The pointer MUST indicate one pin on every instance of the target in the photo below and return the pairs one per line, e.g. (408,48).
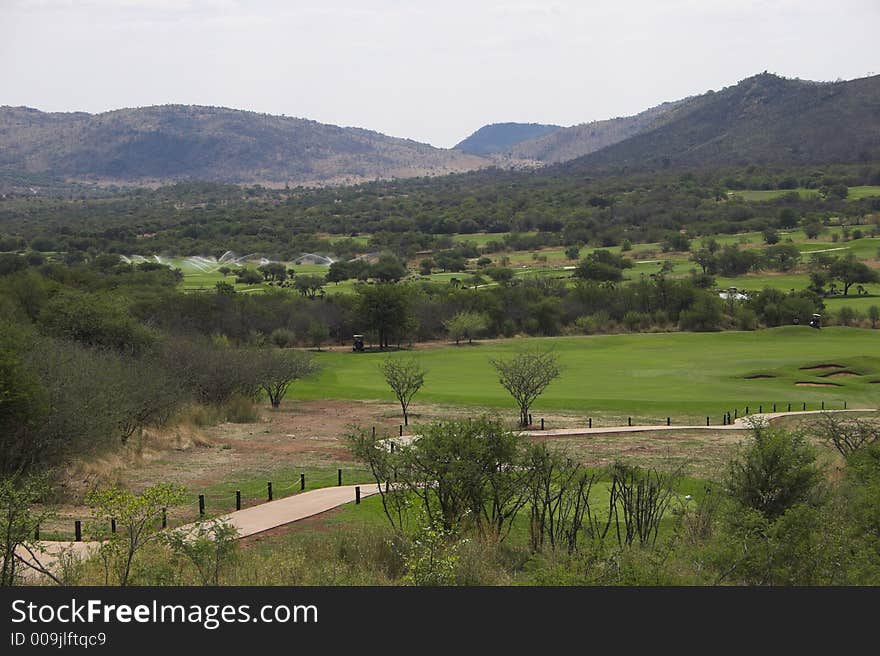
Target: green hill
(764,119)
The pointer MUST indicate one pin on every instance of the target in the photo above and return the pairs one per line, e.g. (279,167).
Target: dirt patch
(808,384)
(759,376)
(702,453)
(822,366)
(836,374)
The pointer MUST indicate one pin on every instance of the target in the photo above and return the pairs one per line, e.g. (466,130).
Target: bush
(846,316)
(746,319)
(777,472)
(283,337)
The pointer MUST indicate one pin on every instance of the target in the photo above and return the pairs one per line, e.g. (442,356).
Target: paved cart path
(742,423)
(248,521)
(272,514)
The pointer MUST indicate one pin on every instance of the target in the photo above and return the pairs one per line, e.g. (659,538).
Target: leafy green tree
(385,308)
(275,271)
(776,472)
(23,403)
(318,333)
(137,518)
(526,375)
(309,286)
(209,545)
(849,271)
(276,370)
(248,277)
(19,495)
(405,377)
(388,268)
(94,320)
(501,275)
(466,325)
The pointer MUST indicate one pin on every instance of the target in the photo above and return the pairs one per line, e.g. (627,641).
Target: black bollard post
(238,499)
(530,419)
(542,423)
(591,422)
(357,494)
(374,432)
(747,409)
(805,405)
(112,525)
(844,405)
(629,421)
(823,405)
(707,421)
(201,505)
(302,482)
(760,409)
(789,407)
(269,490)
(164,517)
(774,407)
(338,477)
(78,531)
(669,421)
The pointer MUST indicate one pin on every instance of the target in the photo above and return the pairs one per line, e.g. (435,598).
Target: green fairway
(684,375)
(854,193)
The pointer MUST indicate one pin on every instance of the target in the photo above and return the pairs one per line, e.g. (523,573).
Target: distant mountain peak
(500,137)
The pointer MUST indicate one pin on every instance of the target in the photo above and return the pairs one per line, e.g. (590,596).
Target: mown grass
(683,375)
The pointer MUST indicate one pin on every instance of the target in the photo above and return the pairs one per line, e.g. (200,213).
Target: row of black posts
(726,420)
(77,524)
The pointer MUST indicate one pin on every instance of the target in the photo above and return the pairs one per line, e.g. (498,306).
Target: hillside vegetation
(174,142)
(764,119)
(500,137)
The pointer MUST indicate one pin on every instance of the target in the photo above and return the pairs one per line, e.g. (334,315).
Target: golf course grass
(683,375)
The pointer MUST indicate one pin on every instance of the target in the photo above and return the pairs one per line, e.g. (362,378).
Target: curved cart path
(273,514)
(248,521)
(742,423)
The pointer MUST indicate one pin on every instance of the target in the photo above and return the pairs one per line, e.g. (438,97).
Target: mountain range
(762,119)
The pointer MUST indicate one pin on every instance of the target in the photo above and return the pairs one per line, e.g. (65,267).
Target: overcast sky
(433,71)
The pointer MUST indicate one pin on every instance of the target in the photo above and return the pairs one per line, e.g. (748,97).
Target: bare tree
(405,376)
(847,434)
(641,497)
(275,370)
(526,376)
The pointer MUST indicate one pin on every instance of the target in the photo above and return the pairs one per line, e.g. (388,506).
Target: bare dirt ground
(703,453)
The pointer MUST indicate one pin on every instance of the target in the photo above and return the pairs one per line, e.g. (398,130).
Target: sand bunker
(822,366)
(806,384)
(759,376)
(835,374)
